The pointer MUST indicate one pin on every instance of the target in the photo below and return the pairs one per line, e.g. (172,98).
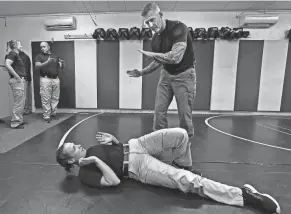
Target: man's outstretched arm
(174,56)
(151,68)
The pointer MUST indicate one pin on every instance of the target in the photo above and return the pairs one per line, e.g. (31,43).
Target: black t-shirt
(112,155)
(174,32)
(18,64)
(27,64)
(50,70)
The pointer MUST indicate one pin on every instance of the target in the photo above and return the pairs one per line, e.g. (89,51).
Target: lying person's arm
(108,178)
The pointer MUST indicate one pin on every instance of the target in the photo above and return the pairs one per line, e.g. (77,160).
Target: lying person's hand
(106,138)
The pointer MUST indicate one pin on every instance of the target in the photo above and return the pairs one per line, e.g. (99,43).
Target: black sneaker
(47,120)
(54,117)
(258,200)
(20,126)
(27,112)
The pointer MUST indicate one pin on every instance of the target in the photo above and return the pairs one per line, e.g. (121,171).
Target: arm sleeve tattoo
(151,68)
(174,56)
(179,46)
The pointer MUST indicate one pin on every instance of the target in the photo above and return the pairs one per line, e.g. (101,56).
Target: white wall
(27,29)
(5,95)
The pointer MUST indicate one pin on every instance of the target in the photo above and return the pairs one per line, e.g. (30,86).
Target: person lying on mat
(109,162)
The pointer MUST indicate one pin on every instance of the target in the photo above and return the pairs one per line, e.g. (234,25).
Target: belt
(126,159)
(50,77)
(24,78)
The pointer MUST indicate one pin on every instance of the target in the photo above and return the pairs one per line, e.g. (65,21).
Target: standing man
(17,81)
(27,64)
(48,65)
(172,47)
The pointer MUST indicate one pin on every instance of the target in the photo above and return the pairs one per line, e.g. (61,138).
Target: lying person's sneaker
(259,200)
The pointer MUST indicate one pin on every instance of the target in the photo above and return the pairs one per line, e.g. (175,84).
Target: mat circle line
(74,126)
(241,138)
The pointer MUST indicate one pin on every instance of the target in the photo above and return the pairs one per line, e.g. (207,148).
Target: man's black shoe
(54,117)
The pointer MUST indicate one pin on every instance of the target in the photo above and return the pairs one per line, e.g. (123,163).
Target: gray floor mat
(11,138)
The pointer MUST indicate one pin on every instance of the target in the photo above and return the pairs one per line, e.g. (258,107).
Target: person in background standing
(48,65)
(17,81)
(27,64)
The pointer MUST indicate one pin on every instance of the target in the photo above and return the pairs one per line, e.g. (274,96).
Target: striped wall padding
(243,75)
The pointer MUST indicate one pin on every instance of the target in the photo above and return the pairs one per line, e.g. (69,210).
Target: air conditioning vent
(258,21)
(60,23)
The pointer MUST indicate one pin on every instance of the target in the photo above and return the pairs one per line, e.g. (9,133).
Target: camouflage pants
(50,94)
(19,94)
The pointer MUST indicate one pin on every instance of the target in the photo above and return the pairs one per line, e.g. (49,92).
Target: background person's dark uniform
(49,85)
(18,89)
(27,64)
(177,80)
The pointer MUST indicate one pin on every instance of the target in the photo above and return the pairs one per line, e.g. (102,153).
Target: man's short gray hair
(12,44)
(150,6)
